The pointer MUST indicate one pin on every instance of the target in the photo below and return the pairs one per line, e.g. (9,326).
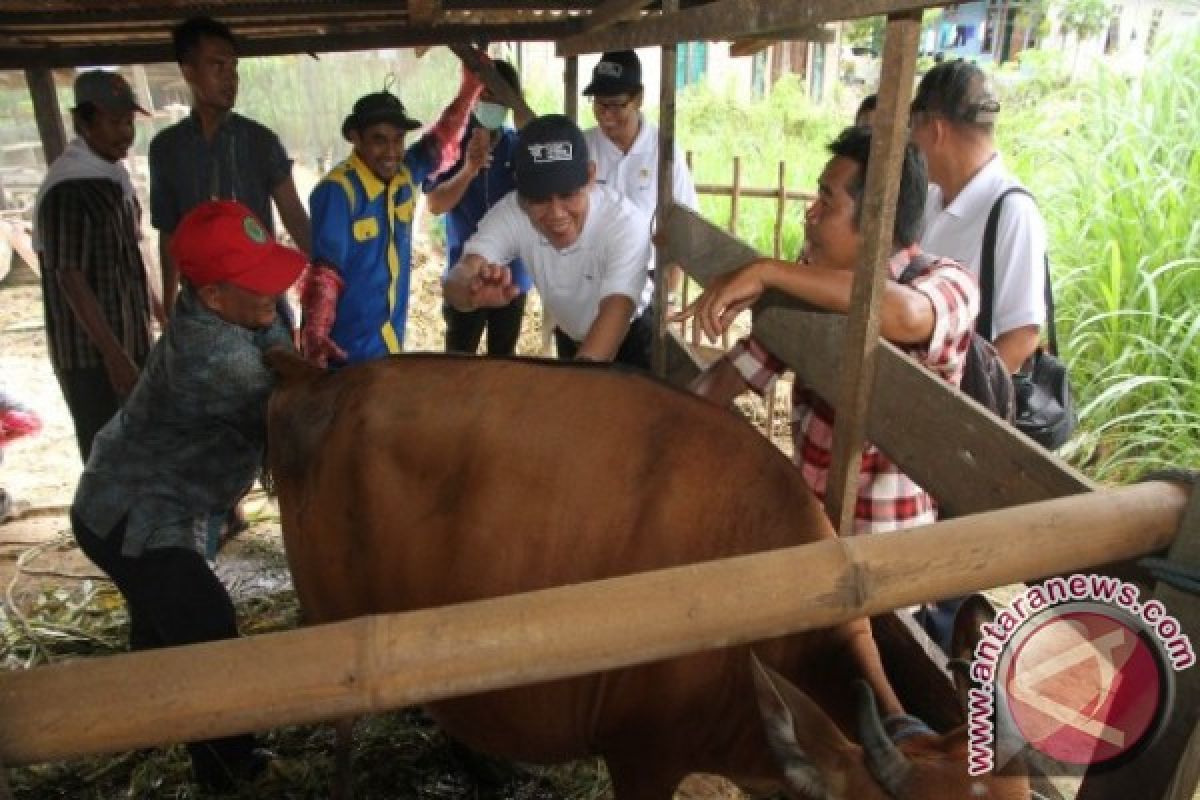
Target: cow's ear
(815,756)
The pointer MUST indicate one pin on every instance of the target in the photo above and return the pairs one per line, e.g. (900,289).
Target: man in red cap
(189,441)
(86,230)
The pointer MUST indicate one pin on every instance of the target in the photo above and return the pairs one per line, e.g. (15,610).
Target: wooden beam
(492,79)
(382,662)
(22,57)
(666,196)
(47,112)
(730,19)
(749,45)
(571,87)
(961,453)
(420,12)
(1162,771)
(613,11)
(889,140)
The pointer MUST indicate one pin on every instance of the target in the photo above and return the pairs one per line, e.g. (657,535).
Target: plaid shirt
(87,225)
(887,498)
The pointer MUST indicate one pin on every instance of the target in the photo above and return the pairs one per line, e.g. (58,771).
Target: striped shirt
(887,498)
(87,225)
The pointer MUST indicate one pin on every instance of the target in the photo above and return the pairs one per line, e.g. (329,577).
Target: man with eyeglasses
(584,246)
(953,124)
(624,144)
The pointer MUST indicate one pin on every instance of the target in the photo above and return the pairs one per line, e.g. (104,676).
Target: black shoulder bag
(1044,409)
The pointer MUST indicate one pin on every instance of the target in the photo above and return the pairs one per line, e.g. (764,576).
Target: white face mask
(490,115)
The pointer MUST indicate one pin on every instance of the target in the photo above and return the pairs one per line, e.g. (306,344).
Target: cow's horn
(887,764)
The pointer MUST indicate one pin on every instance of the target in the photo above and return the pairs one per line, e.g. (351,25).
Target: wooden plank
(720,190)
(420,12)
(381,662)
(666,196)
(492,79)
(780,210)
(613,11)
(21,57)
(858,352)
(571,87)
(730,19)
(749,45)
(47,112)
(965,456)
(916,669)
(1163,771)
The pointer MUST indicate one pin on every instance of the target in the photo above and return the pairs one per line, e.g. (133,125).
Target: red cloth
(15,423)
(320,287)
(452,124)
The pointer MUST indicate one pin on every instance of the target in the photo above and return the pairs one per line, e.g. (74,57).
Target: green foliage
(716,125)
(1116,166)
(1084,18)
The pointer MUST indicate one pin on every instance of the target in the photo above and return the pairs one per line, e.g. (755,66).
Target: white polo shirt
(635,174)
(956,231)
(608,258)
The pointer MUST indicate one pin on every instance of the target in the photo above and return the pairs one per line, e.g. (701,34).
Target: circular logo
(254,230)
(1086,686)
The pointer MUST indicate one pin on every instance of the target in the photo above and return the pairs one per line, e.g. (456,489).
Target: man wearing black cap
(953,123)
(585,246)
(356,297)
(624,144)
(86,230)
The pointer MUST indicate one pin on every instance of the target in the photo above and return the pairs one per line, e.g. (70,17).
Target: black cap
(378,107)
(551,158)
(616,73)
(959,91)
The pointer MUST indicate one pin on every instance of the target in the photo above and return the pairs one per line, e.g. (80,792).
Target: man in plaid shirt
(930,315)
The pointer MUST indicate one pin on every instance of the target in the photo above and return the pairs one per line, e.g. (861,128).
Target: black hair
(868,104)
(509,73)
(186,35)
(958,91)
(855,144)
(82,116)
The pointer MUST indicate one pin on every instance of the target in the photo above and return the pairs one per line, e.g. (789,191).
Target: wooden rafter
(749,45)
(424,12)
(730,19)
(614,11)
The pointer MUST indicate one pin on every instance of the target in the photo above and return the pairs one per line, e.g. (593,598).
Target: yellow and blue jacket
(363,228)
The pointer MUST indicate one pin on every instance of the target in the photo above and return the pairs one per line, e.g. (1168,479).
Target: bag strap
(987,274)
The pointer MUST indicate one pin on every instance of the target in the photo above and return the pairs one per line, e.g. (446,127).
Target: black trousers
(635,347)
(464,329)
(91,401)
(174,598)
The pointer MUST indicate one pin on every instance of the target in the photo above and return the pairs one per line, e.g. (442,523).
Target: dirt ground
(37,554)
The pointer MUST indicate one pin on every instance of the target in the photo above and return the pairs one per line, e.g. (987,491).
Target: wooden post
(736,195)
(780,209)
(666,196)
(571,109)
(685,289)
(1164,770)
(878,213)
(492,79)
(381,662)
(45,109)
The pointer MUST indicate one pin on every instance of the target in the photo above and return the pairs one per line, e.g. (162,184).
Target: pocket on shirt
(366,229)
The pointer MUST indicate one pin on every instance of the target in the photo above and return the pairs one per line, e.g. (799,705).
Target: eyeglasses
(610,106)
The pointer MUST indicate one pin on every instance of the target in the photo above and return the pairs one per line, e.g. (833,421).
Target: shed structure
(983,467)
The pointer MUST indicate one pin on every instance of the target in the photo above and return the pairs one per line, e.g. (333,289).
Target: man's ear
(591,173)
(638,97)
(211,297)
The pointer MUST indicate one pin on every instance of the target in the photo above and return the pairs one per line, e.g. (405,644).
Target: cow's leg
(343,753)
(639,776)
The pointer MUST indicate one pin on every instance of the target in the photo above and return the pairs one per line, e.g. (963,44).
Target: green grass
(1116,166)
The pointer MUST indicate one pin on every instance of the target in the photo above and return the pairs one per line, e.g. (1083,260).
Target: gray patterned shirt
(189,441)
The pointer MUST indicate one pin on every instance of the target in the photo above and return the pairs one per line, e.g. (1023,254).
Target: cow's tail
(290,429)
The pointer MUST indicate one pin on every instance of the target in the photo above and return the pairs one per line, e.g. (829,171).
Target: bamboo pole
(780,209)
(382,662)
(666,196)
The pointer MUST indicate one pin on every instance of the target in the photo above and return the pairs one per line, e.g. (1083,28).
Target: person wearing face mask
(464,193)
(94,290)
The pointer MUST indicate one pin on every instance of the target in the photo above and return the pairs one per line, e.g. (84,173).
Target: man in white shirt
(585,247)
(953,122)
(624,144)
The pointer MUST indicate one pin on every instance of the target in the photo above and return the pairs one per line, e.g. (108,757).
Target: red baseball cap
(222,241)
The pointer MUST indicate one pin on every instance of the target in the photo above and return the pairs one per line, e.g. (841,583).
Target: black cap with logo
(551,158)
(615,73)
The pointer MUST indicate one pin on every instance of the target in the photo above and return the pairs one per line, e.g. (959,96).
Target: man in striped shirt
(929,314)
(86,225)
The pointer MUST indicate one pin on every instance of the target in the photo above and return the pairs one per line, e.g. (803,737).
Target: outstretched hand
(492,286)
(479,151)
(727,296)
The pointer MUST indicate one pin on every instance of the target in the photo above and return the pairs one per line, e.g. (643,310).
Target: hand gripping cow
(547,474)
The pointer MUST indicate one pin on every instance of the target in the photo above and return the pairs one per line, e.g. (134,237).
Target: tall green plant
(1116,164)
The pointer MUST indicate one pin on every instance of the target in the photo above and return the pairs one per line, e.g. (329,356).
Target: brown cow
(422,481)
